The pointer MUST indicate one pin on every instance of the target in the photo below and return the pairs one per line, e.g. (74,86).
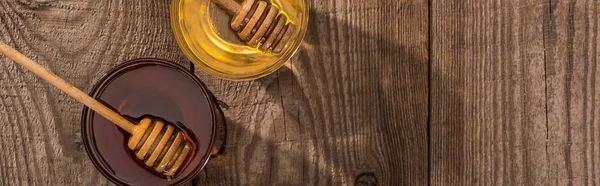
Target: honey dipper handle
(66,87)
(230,6)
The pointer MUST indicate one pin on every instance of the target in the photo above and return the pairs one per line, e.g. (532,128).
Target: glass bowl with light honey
(159,88)
(223,44)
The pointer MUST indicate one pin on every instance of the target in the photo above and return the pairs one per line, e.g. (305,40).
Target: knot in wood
(366,179)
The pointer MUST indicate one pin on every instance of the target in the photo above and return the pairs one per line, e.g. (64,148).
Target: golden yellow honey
(202,31)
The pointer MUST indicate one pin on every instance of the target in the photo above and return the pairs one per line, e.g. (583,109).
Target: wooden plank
(488,119)
(571,36)
(78,40)
(354,104)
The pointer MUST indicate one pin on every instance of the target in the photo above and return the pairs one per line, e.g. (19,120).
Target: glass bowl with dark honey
(158,88)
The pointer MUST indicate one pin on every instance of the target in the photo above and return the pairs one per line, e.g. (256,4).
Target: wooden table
(407,92)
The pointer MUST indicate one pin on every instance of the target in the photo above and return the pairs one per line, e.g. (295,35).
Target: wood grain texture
(488,118)
(511,90)
(571,37)
(354,102)
(79,40)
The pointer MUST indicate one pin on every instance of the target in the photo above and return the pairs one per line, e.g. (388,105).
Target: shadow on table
(392,77)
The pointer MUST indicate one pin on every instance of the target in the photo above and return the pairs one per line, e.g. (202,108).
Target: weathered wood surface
(488,122)
(513,93)
(350,107)
(79,41)
(571,37)
(505,96)
(354,102)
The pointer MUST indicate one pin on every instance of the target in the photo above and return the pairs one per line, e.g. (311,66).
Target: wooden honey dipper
(161,146)
(258,22)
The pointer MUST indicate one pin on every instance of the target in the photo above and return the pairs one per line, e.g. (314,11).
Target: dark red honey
(149,87)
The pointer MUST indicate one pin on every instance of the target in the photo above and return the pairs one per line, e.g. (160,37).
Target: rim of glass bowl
(106,79)
(202,65)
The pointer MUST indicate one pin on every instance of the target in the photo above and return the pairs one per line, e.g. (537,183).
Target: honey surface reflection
(155,89)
